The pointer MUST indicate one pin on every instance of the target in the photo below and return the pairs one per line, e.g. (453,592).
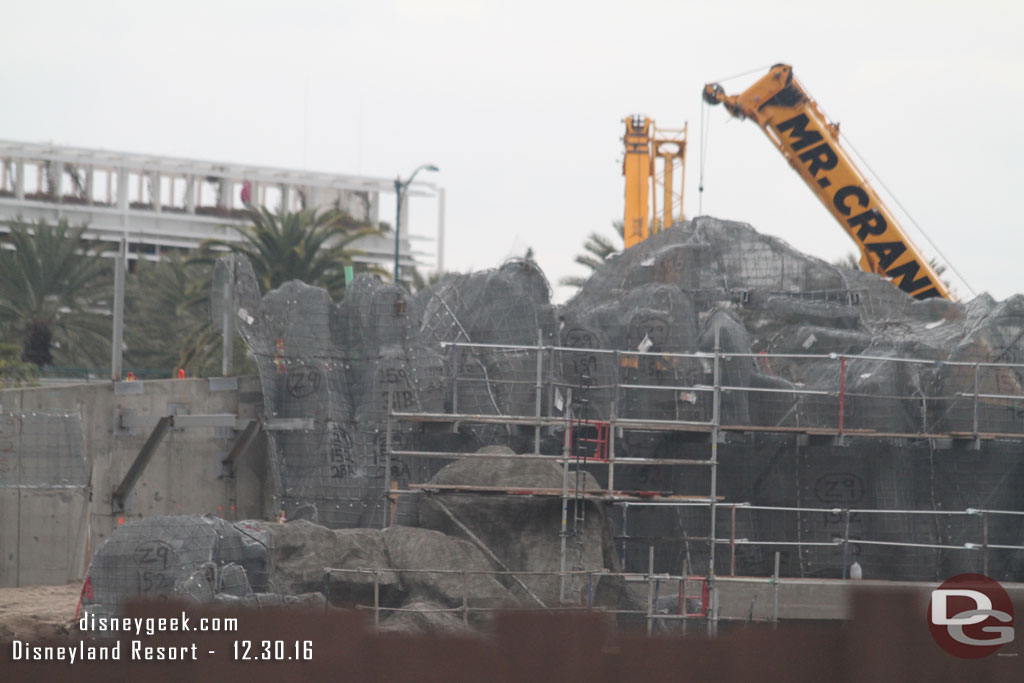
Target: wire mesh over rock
(337,366)
(342,365)
(188,555)
(784,322)
(783,302)
(253,563)
(509,305)
(799,344)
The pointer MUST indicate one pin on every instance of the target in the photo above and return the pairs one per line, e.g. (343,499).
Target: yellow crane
(647,148)
(810,143)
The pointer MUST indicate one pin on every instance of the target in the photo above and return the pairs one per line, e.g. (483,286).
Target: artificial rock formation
(704,285)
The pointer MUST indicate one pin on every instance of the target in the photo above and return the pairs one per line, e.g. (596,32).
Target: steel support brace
(241,444)
(141,460)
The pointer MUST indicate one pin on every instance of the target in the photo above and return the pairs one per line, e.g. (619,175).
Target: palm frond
(596,249)
(54,288)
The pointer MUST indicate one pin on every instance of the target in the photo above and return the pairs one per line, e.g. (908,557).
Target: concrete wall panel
(9,527)
(184,476)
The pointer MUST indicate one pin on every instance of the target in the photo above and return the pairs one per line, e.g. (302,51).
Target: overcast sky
(521,105)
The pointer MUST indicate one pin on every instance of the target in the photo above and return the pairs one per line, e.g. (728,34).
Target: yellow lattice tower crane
(654,159)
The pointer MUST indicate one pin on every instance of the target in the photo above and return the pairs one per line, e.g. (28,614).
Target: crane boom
(797,127)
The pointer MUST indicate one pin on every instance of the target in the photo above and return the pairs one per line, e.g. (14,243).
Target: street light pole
(400,189)
(398,221)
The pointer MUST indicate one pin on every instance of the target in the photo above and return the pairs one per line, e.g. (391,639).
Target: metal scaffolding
(575,422)
(805,410)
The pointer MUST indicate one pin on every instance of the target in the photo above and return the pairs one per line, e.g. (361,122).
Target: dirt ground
(35,613)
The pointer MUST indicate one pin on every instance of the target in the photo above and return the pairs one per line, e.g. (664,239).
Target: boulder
(506,473)
(522,530)
(301,551)
(432,565)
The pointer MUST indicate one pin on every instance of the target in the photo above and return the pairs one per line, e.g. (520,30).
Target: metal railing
(845,394)
(834,395)
(827,406)
(980,545)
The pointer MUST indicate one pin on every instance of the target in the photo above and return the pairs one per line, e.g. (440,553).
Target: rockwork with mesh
(801,344)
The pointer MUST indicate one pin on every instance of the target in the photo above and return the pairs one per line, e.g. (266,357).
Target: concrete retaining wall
(46,534)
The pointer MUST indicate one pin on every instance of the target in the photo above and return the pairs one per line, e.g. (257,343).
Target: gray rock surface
(439,568)
(522,531)
(301,551)
(526,474)
(341,362)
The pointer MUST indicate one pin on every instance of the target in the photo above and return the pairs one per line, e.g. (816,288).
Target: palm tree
(15,372)
(847,260)
(420,281)
(597,248)
(167,319)
(310,246)
(54,294)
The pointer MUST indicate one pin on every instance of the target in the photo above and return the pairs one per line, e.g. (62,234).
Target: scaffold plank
(529,420)
(550,492)
(553,458)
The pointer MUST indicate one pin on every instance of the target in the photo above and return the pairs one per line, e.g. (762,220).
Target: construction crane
(647,148)
(797,127)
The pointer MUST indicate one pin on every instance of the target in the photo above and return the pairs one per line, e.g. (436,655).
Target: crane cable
(902,208)
(705,124)
(760,69)
(703,153)
(705,121)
